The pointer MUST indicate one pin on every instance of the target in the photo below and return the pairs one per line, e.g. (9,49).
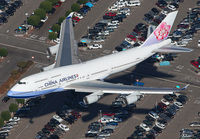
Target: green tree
(34,20)
(1,122)
(61,19)
(53,1)
(56,28)
(22,64)
(13,107)
(40,12)
(3,52)
(82,1)
(68,12)
(46,5)
(20,101)
(52,35)
(5,115)
(75,7)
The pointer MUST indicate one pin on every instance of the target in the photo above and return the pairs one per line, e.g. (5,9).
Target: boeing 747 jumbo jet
(68,73)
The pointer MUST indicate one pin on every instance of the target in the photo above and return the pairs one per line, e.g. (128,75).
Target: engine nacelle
(132,98)
(94,97)
(48,67)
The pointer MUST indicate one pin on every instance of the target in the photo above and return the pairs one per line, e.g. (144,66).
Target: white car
(98,40)
(178,104)
(113,24)
(160,125)
(181,43)
(119,4)
(58,118)
(7,127)
(126,13)
(129,41)
(104,134)
(78,15)
(4,130)
(92,131)
(95,46)
(113,8)
(171,7)
(105,119)
(124,10)
(164,12)
(44,19)
(14,119)
(153,115)
(198,42)
(144,126)
(133,3)
(104,33)
(63,127)
(165,102)
(193,124)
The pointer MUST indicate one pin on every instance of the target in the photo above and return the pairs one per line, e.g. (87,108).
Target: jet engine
(132,98)
(94,97)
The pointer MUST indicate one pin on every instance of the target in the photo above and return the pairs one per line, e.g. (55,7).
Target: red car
(131,37)
(162,105)
(58,4)
(182,26)
(195,63)
(76,18)
(137,31)
(158,21)
(108,113)
(76,114)
(111,14)
(141,39)
(50,128)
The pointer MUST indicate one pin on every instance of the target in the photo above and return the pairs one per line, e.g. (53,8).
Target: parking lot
(178,73)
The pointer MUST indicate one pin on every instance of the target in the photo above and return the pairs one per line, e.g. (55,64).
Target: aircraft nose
(10,93)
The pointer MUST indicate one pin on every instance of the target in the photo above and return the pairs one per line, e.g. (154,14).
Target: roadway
(23,49)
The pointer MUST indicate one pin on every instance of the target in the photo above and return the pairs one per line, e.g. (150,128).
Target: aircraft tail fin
(162,31)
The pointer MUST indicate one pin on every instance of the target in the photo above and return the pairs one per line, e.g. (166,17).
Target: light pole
(189,16)
(26,17)
(88,31)
(100,111)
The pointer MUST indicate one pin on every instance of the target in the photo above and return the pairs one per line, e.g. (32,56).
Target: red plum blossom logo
(162,31)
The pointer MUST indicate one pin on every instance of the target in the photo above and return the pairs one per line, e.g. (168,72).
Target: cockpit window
(20,82)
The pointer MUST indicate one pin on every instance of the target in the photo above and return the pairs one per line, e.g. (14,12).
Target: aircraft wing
(93,86)
(68,51)
(172,49)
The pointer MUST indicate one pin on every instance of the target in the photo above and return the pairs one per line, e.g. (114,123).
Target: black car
(15,5)
(182,100)
(4,14)
(52,124)
(19,2)
(140,129)
(148,16)
(4,3)
(173,95)
(121,16)
(94,127)
(46,131)
(157,129)
(4,134)
(42,134)
(90,135)
(61,114)
(11,8)
(39,25)
(168,98)
(150,136)
(52,11)
(107,17)
(183,96)
(150,118)
(139,133)
(80,44)
(170,115)
(158,109)
(2,7)
(148,123)
(120,19)
(174,4)
(9,12)
(141,26)
(156,11)
(162,121)
(54,136)
(69,120)
(5,99)
(54,121)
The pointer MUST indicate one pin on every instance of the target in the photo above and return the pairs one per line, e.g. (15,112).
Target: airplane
(69,73)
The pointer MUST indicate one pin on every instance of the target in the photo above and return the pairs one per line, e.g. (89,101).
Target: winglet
(185,87)
(70,15)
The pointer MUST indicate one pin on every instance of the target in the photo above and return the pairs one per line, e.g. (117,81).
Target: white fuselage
(57,79)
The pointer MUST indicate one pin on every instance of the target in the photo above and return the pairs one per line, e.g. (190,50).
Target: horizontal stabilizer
(172,49)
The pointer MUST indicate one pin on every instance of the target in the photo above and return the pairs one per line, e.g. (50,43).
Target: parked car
(5,99)
(39,25)
(95,46)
